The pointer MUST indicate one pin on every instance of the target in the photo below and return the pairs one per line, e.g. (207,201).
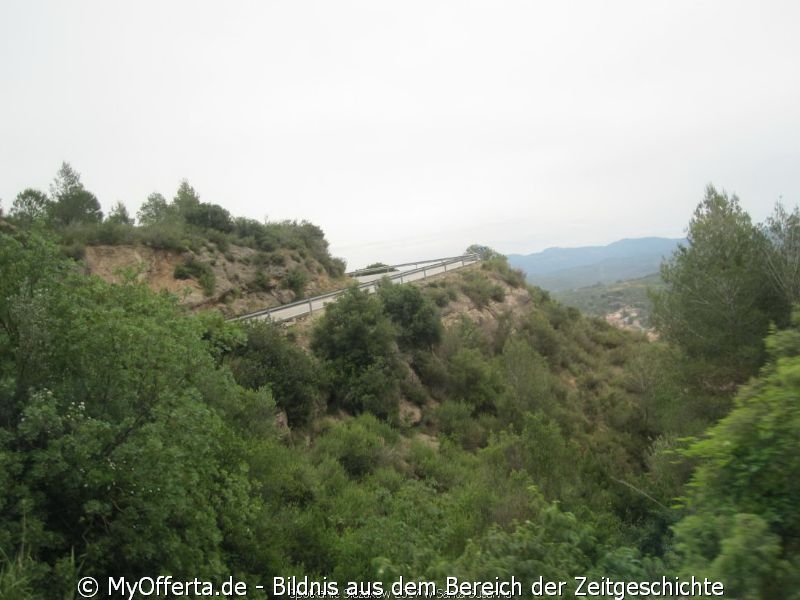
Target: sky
(411,129)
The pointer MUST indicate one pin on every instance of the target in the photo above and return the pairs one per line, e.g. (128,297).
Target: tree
(119,215)
(717,303)
(210,216)
(186,199)
(357,342)
(31,205)
(67,181)
(80,206)
(116,444)
(268,359)
(72,202)
(742,522)
(415,316)
(782,255)
(483,252)
(153,210)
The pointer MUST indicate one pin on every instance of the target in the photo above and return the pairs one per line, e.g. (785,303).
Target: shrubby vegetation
(138,439)
(184,224)
(632,297)
(192,268)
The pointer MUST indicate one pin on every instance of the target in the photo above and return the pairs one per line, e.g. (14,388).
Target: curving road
(369,282)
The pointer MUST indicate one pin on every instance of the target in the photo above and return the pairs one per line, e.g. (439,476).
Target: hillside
(470,424)
(623,303)
(471,399)
(559,269)
(236,281)
(196,250)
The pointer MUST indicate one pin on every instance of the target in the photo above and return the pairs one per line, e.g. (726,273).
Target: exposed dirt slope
(244,279)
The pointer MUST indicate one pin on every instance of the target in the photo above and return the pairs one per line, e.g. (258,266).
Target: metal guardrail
(286,312)
(388,268)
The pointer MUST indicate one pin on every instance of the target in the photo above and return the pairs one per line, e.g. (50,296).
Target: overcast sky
(409,129)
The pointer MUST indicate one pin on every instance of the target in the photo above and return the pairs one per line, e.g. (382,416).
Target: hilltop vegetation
(232,263)
(471,426)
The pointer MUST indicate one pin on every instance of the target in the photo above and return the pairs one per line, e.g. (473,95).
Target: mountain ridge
(559,269)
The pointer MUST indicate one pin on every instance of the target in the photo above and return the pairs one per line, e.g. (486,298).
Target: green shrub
(455,420)
(357,342)
(262,282)
(192,268)
(475,380)
(74,250)
(335,267)
(208,282)
(441,293)
(219,239)
(359,445)
(263,259)
(417,320)
(499,264)
(480,289)
(270,359)
(182,271)
(164,236)
(431,371)
(296,280)
(414,392)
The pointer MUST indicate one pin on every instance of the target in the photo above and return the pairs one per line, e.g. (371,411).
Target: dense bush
(441,295)
(296,280)
(479,289)
(192,268)
(499,264)
(113,431)
(268,359)
(474,380)
(357,343)
(416,318)
(360,445)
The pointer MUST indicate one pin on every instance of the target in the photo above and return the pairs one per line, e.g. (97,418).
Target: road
(368,282)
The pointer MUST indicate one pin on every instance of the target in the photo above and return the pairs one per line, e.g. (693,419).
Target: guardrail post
(310,307)
(424,273)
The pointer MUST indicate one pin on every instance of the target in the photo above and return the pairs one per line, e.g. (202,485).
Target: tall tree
(67,181)
(153,210)
(80,206)
(717,302)
(72,202)
(186,199)
(119,214)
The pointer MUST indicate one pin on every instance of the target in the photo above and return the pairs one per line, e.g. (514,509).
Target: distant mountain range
(559,269)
